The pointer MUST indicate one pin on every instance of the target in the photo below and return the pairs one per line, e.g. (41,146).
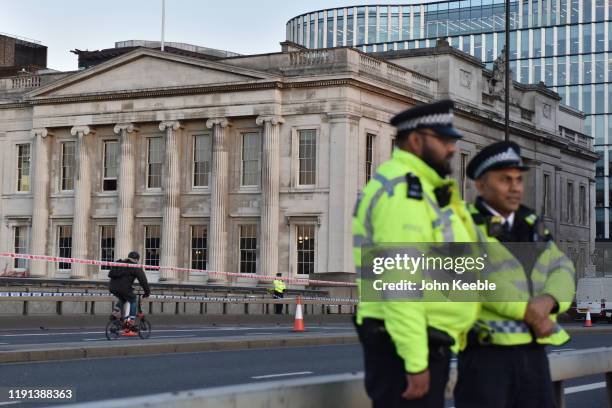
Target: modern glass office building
(567,44)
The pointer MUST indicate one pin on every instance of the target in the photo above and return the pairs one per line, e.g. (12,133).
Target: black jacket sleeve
(142,279)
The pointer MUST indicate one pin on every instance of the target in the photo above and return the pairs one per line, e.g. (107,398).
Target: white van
(595,294)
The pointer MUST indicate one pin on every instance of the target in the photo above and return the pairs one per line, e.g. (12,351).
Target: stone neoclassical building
(250,163)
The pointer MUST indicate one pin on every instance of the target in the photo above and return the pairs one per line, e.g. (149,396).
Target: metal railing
(344,390)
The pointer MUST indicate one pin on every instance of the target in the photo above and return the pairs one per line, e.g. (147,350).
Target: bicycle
(115,325)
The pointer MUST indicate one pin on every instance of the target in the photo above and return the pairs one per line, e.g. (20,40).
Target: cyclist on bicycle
(120,284)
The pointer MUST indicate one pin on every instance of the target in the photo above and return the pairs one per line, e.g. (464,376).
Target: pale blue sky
(245,27)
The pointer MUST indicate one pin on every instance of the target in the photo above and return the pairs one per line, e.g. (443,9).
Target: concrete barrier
(344,390)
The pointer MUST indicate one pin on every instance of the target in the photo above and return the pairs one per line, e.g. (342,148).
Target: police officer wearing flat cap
(407,345)
(505,363)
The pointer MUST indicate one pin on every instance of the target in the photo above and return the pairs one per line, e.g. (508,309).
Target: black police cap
(499,155)
(437,116)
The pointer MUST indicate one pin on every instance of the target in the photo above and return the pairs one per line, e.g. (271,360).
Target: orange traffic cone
(298,325)
(587,321)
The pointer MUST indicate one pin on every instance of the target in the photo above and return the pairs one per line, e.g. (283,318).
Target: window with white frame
(307,157)
(20,245)
(67,164)
(201,160)
(305,248)
(152,244)
(248,248)
(64,245)
(107,244)
(111,161)
(251,157)
(23,167)
(199,244)
(369,157)
(155,159)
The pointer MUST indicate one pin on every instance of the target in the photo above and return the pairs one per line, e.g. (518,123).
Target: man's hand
(146,295)
(418,385)
(538,309)
(544,328)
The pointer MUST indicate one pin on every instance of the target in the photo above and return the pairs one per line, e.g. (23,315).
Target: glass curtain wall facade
(566,44)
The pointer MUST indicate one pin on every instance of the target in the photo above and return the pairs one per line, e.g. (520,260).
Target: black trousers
(278,307)
(385,375)
(504,377)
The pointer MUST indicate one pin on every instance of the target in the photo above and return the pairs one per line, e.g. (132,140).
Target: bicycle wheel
(144,329)
(113,329)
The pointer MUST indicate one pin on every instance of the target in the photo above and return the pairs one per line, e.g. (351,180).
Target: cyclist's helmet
(134,256)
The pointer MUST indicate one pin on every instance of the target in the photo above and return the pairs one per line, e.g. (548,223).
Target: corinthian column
(125,199)
(82,202)
(270,193)
(171,191)
(218,200)
(40,214)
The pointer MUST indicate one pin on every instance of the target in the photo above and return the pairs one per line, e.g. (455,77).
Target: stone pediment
(148,69)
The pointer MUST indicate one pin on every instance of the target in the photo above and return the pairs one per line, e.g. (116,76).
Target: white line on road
(565,349)
(258,334)
(153,337)
(259,377)
(10,403)
(585,387)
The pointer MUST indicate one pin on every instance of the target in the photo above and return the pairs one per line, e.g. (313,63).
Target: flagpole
(163,23)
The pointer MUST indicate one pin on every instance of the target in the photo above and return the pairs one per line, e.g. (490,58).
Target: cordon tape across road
(55,259)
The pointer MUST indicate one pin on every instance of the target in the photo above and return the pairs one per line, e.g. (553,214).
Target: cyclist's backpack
(116,271)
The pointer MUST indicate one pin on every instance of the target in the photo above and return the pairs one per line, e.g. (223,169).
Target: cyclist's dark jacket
(122,278)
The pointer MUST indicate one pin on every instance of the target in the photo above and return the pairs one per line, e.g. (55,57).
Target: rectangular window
(600,38)
(154,162)
(111,160)
(405,23)
(201,160)
(547,199)
(251,156)
(371,25)
(23,167)
(64,245)
(561,72)
(549,42)
(20,246)
(383,34)
(307,157)
(561,41)
(199,245)
(574,39)
(305,249)
(369,158)
(340,28)
(248,248)
(330,29)
(395,29)
(349,27)
(152,244)
(361,25)
(570,202)
(67,181)
(586,38)
(107,244)
(583,207)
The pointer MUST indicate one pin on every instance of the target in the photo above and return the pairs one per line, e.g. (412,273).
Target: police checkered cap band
(436,119)
(509,155)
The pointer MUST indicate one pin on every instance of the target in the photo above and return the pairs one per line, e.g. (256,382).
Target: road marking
(586,387)
(259,377)
(93,339)
(565,349)
(10,403)
(258,334)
